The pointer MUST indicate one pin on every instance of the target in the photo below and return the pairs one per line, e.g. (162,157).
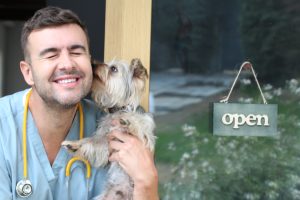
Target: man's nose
(65,61)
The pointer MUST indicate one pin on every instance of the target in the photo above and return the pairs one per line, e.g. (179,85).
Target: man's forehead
(61,37)
(58,36)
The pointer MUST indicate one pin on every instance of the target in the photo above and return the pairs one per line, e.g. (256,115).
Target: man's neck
(53,124)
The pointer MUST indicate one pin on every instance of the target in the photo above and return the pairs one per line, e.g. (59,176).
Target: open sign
(234,119)
(240,119)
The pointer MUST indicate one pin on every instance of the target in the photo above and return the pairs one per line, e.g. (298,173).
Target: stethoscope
(24,187)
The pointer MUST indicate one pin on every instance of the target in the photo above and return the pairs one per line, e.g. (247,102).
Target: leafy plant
(211,167)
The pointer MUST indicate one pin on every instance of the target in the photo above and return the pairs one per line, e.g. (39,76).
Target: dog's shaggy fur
(117,87)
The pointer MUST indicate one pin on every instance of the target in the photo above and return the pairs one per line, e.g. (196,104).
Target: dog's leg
(119,185)
(117,192)
(93,149)
(140,125)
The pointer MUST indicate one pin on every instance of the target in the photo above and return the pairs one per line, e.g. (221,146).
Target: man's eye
(76,53)
(51,56)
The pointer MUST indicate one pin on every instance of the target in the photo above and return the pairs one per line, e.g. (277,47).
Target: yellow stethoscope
(24,187)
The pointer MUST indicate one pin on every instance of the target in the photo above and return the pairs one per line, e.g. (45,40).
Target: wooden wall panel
(128,33)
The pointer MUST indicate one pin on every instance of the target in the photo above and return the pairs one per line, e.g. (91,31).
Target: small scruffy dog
(117,89)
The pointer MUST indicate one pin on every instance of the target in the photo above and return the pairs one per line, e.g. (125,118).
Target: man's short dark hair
(49,17)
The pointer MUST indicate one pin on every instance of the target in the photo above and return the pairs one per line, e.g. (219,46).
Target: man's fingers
(118,135)
(115,145)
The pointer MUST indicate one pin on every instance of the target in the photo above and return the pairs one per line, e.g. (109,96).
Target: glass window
(197,48)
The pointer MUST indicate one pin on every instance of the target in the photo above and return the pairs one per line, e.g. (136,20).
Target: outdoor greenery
(203,166)
(203,36)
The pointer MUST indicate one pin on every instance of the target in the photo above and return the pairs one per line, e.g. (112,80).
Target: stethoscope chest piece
(24,188)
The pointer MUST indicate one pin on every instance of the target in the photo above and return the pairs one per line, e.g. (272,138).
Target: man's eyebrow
(48,50)
(77,46)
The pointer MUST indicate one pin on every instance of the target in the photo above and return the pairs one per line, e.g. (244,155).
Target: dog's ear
(139,78)
(139,71)
(100,71)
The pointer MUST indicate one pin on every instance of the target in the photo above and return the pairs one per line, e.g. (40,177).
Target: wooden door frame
(128,34)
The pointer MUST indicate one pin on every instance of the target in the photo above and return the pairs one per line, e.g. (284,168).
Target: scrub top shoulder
(48,182)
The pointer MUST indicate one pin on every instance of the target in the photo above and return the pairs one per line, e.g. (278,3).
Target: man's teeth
(67,80)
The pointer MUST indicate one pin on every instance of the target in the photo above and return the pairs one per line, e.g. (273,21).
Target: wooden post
(128,33)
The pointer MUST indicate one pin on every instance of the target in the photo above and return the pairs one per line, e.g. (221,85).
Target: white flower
(194,174)
(182,173)
(268,95)
(205,140)
(185,156)
(294,178)
(188,133)
(245,81)
(195,194)
(245,100)
(251,196)
(272,184)
(171,146)
(295,193)
(205,164)
(190,164)
(277,92)
(267,87)
(272,195)
(232,144)
(188,130)
(195,152)
(293,82)
(293,85)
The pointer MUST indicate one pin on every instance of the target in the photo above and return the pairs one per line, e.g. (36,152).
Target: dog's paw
(71,146)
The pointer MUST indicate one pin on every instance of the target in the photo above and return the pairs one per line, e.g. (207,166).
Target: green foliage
(211,167)
(270,32)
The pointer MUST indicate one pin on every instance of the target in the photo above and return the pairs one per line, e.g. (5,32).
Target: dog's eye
(114,69)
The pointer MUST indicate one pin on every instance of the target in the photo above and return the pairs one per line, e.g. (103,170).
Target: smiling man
(57,67)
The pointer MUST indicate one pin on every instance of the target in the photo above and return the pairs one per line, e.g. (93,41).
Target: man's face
(60,64)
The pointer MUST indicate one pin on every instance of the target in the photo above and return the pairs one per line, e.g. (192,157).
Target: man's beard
(53,99)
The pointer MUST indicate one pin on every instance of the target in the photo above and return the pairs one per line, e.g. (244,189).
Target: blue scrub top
(49,182)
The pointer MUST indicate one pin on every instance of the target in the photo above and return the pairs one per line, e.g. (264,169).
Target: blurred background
(13,14)
(197,46)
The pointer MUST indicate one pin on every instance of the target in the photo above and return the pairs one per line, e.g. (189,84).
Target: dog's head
(117,84)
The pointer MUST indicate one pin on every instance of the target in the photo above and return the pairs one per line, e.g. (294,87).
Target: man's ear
(27,73)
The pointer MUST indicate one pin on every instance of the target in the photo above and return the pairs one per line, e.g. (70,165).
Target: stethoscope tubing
(68,173)
(24,187)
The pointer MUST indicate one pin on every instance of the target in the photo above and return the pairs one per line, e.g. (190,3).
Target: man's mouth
(67,78)
(65,81)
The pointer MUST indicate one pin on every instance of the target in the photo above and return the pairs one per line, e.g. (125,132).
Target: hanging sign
(243,119)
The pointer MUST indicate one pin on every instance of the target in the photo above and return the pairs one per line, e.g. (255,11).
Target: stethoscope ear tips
(24,188)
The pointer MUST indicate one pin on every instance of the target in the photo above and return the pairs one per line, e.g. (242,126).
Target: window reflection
(197,46)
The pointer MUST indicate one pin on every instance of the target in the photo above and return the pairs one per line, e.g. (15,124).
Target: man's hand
(137,161)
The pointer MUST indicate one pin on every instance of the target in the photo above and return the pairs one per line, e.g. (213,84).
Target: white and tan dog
(117,89)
